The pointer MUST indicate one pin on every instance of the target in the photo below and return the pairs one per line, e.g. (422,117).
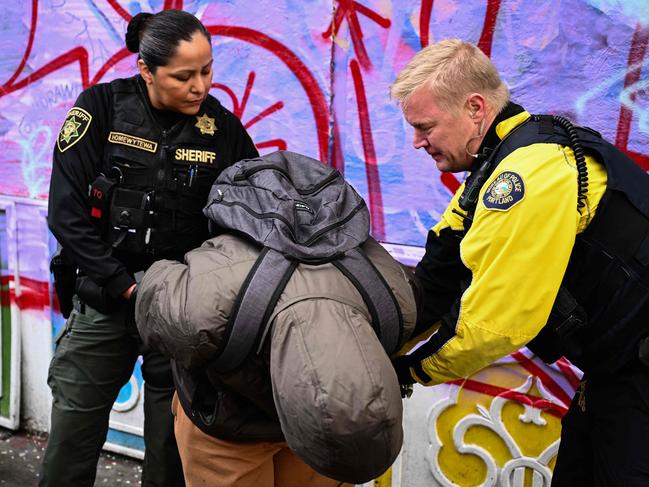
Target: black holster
(567,319)
(643,351)
(64,271)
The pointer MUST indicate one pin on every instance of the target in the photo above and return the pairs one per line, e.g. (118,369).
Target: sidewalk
(21,453)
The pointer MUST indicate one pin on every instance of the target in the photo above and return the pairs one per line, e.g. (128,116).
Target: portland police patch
(504,191)
(74,128)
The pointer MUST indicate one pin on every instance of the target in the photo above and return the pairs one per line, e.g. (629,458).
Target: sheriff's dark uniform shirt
(113,125)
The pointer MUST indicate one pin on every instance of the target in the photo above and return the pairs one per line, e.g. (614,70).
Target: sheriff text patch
(504,191)
(195,155)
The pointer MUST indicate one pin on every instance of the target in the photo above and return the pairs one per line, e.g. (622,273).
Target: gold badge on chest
(205,124)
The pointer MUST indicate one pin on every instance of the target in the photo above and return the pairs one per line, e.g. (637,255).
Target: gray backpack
(299,211)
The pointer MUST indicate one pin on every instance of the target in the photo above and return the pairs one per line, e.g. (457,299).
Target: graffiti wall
(312,76)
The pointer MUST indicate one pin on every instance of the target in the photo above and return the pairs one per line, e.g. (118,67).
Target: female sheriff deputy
(133,165)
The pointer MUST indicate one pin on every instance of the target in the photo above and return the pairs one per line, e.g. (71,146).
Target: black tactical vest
(163,175)
(608,271)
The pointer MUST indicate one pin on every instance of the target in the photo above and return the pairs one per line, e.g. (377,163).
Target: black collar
(491,139)
(166,118)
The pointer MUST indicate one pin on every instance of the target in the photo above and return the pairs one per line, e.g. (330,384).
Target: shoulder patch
(504,192)
(74,128)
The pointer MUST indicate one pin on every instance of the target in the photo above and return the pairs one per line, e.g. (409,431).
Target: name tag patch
(504,192)
(132,141)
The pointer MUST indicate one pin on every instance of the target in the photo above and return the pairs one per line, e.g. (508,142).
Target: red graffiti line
(371,168)
(120,10)
(424,21)
(550,407)
(34,294)
(347,9)
(236,109)
(264,113)
(112,61)
(301,72)
(547,381)
(568,372)
(78,54)
(28,49)
(488,27)
(637,53)
(279,144)
(486,38)
(641,159)
(174,4)
(239,109)
(450,181)
(247,91)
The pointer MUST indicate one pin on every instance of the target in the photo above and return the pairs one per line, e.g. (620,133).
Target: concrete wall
(312,76)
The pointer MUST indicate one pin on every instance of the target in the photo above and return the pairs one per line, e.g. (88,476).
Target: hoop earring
(466,148)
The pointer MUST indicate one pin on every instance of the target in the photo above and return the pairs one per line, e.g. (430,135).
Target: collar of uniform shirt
(491,139)
(165,118)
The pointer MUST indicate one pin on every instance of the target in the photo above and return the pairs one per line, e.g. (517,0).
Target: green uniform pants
(94,358)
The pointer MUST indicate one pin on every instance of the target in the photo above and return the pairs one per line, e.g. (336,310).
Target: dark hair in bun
(155,37)
(132,36)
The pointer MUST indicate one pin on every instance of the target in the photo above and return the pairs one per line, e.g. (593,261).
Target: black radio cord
(580,160)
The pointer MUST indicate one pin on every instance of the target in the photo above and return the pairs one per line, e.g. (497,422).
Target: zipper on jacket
(324,230)
(262,167)
(245,174)
(281,218)
(162,172)
(161,176)
(259,215)
(325,182)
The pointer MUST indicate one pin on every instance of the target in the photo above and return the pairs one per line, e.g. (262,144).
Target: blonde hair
(451,69)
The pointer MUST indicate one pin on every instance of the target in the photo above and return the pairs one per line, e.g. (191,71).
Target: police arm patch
(74,128)
(504,192)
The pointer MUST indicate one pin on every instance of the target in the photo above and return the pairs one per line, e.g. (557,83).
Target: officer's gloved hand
(95,296)
(402,368)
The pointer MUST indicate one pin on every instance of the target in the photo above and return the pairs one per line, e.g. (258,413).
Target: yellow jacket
(515,256)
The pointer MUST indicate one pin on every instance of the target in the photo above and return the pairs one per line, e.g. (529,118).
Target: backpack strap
(254,304)
(266,282)
(387,320)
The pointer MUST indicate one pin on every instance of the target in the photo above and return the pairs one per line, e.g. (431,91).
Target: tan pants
(209,461)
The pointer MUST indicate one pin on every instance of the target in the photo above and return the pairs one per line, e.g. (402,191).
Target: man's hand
(130,295)
(127,294)
(402,368)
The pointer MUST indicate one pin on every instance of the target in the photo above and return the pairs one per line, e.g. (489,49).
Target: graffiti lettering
(61,93)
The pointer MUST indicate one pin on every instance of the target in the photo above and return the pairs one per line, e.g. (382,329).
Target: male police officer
(546,245)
